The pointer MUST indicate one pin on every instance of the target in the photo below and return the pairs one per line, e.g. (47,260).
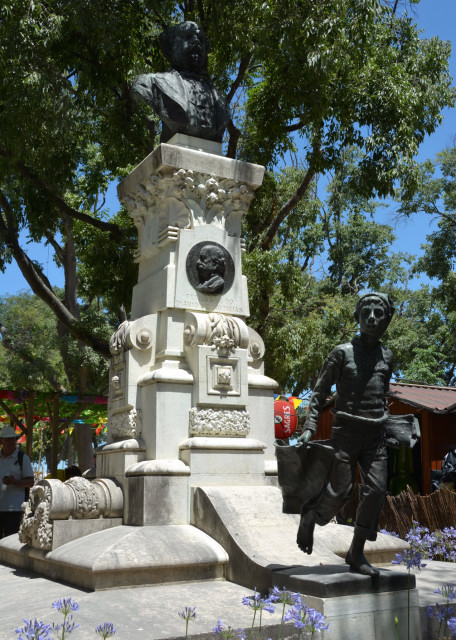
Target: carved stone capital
(165,202)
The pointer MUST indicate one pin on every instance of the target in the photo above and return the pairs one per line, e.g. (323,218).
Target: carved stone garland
(225,422)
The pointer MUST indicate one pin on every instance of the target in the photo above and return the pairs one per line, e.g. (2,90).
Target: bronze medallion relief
(210,268)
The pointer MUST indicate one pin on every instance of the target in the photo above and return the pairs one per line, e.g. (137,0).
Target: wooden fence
(435,511)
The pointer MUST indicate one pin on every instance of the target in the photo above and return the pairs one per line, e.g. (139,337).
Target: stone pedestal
(189,402)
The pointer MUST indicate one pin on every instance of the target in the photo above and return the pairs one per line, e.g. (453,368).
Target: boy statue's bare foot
(359,564)
(305,534)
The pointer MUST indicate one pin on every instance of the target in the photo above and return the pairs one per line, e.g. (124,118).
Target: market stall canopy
(422,396)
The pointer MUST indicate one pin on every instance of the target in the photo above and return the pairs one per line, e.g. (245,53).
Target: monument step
(261,544)
(124,556)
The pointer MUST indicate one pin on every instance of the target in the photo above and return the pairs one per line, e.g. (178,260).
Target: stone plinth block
(167,158)
(158,493)
(166,399)
(114,459)
(224,461)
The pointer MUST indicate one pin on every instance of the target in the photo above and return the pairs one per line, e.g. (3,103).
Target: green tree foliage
(422,334)
(310,78)
(30,357)
(303,306)
(34,357)
(435,196)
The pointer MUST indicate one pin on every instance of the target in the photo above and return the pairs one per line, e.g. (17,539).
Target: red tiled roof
(422,396)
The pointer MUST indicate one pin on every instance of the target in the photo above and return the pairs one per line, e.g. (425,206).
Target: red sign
(285,419)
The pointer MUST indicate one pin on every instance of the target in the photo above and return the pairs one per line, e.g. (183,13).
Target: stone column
(189,402)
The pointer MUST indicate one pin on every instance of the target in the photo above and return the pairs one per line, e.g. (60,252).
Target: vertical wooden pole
(29,423)
(426,452)
(54,414)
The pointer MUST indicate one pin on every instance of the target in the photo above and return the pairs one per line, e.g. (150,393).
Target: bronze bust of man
(361,371)
(183,97)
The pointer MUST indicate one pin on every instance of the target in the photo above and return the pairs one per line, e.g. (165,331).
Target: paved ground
(151,612)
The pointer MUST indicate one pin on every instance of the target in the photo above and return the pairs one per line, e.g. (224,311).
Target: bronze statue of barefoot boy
(361,370)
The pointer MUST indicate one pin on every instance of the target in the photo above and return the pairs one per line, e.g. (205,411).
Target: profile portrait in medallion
(210,268)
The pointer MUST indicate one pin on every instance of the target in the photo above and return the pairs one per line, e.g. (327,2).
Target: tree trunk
(83,438)
(29,421)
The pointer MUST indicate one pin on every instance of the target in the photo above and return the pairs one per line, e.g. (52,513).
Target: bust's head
(185,46)
(373,313)
(210,262)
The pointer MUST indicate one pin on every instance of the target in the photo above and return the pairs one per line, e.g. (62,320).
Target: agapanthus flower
(228,632)
(65,606)
(65,628)
(282,595)
(451,624)
(187,613)
(105,630)
(410,558)
(257,603)
(306,618)
(440,612)
(448,591)
(34,630)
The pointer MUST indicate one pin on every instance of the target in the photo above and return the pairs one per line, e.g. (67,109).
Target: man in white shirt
(16,474)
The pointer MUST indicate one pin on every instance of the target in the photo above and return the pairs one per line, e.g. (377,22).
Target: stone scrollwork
(224,333)
(76,499)
(185,199)
(125,425)
(136,334)
(256,345)
(36,528)
(222,423)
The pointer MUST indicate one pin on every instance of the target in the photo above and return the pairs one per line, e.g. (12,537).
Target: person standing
(16,475)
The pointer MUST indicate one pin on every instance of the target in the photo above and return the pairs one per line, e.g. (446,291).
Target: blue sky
(435,17)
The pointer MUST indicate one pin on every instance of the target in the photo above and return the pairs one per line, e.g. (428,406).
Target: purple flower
(34,630)
(65,606)
(447,591)
(105,630)
(451,624)
(306,618)
(389,533)
(257,603)
(282,595)
(316,621)
(187,613)
(64,629)
(228,632)
(410,558)
(441,612)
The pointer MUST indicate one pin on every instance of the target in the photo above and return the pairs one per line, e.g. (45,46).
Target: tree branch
(285,209)
(12,416)
(294,127)
(234,133)
(41,286)
(108,227)
(243,66)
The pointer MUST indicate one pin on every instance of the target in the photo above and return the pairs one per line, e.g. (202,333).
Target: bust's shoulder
(387,353)
(340,352)
(346,347)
